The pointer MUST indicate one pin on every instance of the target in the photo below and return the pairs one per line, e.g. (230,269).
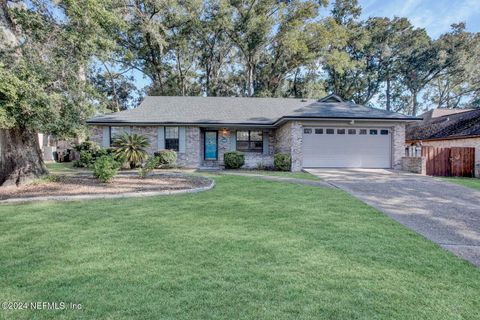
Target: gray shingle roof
(232,110)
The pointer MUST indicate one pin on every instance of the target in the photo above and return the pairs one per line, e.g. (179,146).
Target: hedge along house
(328,132)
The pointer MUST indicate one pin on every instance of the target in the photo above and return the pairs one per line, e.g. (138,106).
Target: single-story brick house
(328,132)
(446,128)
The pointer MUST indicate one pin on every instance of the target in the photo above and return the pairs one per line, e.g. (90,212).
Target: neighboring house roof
(331,98)
(232,110)
(458,125)
(440,112)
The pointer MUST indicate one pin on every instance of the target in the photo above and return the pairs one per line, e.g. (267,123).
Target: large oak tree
(45,50)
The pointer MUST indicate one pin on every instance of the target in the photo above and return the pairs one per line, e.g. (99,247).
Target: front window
(116,132)
(250,141)
(171,138)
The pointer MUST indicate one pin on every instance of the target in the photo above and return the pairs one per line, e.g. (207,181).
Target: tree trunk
(20,157)
(414,103)
(207,83)
(295,79)
(387,94)
(249,79)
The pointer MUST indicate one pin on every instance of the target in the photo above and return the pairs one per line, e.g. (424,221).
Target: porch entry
(210,149)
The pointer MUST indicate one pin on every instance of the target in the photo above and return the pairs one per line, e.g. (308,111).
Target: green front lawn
(296,175)
(473,183)
(62,168)
(248,249)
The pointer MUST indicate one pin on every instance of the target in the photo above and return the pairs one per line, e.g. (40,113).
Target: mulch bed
(86,184)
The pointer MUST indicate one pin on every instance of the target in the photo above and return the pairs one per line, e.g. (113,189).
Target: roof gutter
(202,124)
(247,124)
(289,118)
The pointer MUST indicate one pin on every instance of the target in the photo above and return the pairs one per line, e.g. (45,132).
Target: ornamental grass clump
(130,148)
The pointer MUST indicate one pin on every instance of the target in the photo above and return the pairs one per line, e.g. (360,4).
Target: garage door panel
(344,150)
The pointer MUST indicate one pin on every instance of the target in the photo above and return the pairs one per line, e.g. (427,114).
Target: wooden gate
(449,162)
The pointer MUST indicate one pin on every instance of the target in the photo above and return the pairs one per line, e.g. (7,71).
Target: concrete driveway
(445,213)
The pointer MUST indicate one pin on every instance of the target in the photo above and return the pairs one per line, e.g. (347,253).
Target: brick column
(398,145)
(296,147)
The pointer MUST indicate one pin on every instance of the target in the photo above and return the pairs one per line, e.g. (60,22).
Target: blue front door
(211,148)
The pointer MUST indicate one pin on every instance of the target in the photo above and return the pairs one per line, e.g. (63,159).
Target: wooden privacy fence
(449,162)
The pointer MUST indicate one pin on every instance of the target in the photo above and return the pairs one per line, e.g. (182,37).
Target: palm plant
(130,148)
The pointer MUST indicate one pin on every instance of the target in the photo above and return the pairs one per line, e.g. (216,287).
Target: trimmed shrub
(87,145)
(282,162)
(87,158)
(233,159)
(89,151)
(105,168)
(148,167)
(166,158)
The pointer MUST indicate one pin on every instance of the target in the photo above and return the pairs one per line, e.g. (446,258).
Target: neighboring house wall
(471,142)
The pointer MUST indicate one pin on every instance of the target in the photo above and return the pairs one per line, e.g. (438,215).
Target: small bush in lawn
(148,167)
(89,152)
(105,168)
(282,162)
(233,160)
(87,158)
(166,158)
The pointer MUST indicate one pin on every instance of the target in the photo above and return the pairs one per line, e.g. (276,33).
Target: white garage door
(346,147)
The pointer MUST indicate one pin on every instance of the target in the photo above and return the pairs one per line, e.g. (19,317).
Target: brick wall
(151,133)
(96,134)
(191,157)
(252,159)
(415,164)
(288,139)
(398,145)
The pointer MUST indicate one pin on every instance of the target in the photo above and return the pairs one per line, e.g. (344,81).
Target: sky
(435,16)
